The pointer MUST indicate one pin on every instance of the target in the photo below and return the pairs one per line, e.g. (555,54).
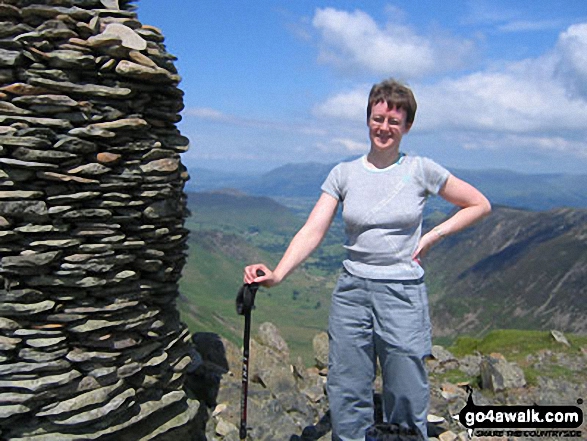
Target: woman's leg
(351,366)
(402,329)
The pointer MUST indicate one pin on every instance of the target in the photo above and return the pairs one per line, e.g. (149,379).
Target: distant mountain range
(515,269)
(528,191)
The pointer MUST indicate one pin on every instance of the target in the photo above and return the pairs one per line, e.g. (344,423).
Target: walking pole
(245,301)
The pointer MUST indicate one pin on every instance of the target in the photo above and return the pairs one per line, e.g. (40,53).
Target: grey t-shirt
(382,213)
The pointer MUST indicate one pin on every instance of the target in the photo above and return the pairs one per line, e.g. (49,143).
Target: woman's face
(387,127)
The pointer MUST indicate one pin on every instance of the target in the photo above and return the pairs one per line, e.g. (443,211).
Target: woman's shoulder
(421,161)
(348,165)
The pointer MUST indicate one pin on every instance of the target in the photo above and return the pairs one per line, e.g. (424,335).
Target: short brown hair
(395,94)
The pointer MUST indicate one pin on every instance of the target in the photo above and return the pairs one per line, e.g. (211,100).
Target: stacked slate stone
(92,237)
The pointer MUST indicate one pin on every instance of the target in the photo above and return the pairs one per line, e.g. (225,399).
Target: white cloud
(571,51)
(343,145)
(349,105)
(353,42)
(529,26)
(538,104)
(530,95)
(525,141)
(206,113)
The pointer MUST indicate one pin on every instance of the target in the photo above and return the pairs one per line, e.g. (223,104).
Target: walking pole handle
(245,299)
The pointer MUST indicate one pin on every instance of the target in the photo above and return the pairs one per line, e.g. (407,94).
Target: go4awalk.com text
(534,421)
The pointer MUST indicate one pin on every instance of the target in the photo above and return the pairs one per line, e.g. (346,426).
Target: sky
(499,84)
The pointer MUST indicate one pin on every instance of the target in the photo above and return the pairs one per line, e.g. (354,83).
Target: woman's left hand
(426,242)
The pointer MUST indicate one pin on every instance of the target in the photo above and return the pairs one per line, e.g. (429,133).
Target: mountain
(515,269)
(240,213)
(528,191)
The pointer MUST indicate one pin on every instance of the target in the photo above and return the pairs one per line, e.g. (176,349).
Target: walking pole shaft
(245,304)
(245,375)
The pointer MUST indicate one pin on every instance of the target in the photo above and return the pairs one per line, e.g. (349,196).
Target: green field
(229,231)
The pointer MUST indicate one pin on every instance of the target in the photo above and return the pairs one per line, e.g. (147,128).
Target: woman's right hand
(268,280)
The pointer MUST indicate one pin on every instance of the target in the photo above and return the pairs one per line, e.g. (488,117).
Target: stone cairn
(92,237)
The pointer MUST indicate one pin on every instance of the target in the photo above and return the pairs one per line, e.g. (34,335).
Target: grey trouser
(385,319)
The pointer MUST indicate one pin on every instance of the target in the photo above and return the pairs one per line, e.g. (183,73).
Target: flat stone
(88,213)
(67,59)
(44,342)
(24,141)
(30,260)
(92,132)
(14,397)
(104,40)
(75,145)
(110,4)
(10,58)
(43,122)
(79,355)
(55,243)
(82,89)
(52,176)
(73,197)
(122,124)
(26,368)
(98,413)
(21,296)
(27,164)
(559,337)
(91,398)
(137,71)
(8,236)
(38,229)
(23,89)
(8,343)
(20,194)
(41,355)
(9,410)
(41,383)
(11,109)
(166,165)
(32,211)
(9,325)
(139,58)
(26,154)
(108,158)
(46,100)
(128,37)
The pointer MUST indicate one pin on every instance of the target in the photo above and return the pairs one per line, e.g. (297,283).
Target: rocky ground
(287,400)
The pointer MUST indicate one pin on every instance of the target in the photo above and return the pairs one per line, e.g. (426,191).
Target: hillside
(230,230)
(528,191)
(516,269)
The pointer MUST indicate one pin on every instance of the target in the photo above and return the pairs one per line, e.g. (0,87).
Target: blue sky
(499,84)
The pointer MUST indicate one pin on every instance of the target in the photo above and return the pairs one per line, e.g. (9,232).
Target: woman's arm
(474,206)
(301,246)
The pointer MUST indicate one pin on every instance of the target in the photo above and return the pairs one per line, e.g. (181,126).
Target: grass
(299,307)
(517,345)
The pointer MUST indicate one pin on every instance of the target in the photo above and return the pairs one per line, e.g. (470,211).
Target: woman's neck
(381,160)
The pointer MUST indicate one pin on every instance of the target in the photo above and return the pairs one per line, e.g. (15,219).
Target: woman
(379,306)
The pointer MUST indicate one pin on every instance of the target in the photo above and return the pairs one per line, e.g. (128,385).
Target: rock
(560,337)
(320,345)
(270,337)
(128,37)
(91,216)
(448,436)
(498,375)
